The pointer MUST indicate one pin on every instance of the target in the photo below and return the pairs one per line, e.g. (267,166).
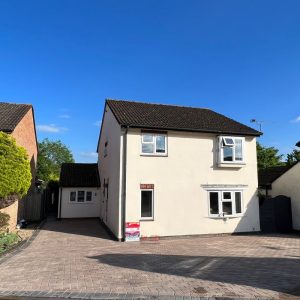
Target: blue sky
(240,58)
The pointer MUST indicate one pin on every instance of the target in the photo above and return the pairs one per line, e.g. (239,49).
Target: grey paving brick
(76,258)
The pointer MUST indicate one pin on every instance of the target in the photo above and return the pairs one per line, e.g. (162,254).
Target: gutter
(256,134)
(124,172)
(60,196)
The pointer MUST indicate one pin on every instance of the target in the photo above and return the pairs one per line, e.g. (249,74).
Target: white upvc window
(153,143)
(73,196)
(225,203)
(81,196)
(147,204)
(231,150)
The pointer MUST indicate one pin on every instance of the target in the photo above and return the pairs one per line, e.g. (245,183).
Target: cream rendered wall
(109,169)
(288,185)
(80,210)
(180,202)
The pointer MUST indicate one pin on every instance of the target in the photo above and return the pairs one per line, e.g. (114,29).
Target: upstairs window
(231,149)
(105,149)
(154,144)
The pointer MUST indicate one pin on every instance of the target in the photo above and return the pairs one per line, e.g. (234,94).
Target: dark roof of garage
(267,176)
(11,114)
(171,117)
(79,175)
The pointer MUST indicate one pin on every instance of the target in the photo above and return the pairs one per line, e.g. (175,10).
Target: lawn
(7,241)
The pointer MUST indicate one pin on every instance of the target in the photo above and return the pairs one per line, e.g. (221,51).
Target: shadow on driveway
(277,274)
(90,227)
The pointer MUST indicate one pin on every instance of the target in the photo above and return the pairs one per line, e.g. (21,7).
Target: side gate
(276,215)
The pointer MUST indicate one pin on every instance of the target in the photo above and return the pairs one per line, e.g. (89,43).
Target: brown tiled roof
(11,114)
(171,117)
(79,175)
(269,175)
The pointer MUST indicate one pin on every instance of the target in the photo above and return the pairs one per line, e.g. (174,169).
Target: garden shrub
(15,175)
(4,219)
(7,241)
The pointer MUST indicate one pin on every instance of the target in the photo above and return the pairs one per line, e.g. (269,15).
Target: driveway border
(39,295)
(22,245)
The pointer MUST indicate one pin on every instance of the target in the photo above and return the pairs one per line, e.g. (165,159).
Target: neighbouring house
(79,193)
(18,120)
(283,180)
(173,170)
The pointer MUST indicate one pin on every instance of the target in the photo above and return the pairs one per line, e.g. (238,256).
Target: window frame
(105,150)
(221,140)
(221,199)
(75,199)
(154,136)
(85,197)
(152,206)
(84,193)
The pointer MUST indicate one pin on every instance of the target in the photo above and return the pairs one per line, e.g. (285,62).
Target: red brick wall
(24,134)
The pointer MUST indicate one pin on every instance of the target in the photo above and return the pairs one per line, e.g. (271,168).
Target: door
(104,202)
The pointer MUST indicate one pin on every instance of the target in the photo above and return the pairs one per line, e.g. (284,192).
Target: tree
(268,157)
(293,157)
(52,154)
(15,174)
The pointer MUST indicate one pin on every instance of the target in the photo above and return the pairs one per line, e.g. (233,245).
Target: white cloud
(64,116)
(52,128)
(97,123)
(297,120)
(89,154)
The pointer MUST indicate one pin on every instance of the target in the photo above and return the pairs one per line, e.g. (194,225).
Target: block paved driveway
(76,258)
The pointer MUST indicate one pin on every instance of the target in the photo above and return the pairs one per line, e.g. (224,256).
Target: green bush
(7,240)
(15,175)
(4,218)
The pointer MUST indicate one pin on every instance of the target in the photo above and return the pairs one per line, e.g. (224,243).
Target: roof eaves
(192,130)
(6,130)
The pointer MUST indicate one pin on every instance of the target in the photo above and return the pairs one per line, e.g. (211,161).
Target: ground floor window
(88,196)
(72,196)
(81,196)
(147,204)
(225,203)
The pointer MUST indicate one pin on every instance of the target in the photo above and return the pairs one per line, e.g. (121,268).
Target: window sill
(231,165)
(146,219)
(226,217)
(90,202)
(155,155)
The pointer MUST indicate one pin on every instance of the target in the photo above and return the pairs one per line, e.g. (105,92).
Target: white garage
(79,193)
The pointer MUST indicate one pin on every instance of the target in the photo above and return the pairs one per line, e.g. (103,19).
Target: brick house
(18,120)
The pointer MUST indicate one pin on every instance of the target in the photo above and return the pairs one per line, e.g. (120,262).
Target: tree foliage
(50,158)
(293,157)
(15,174)
(268,157)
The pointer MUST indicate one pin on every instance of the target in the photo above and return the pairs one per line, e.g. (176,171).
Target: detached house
(173,170)
(18,120)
